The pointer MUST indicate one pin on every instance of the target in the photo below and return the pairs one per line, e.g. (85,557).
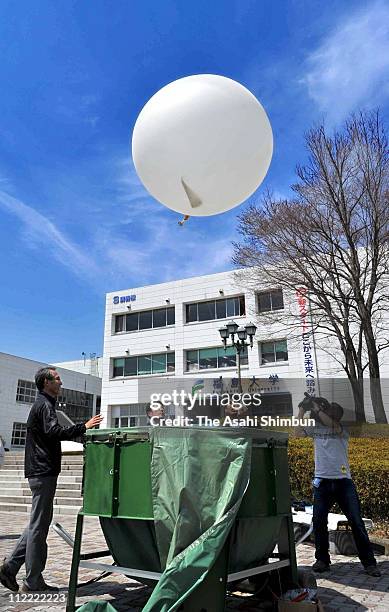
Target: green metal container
(119,487)
(119,460)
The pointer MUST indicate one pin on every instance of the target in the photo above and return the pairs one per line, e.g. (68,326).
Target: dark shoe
(373,570)
(45,588)
(7,579)
(320,567)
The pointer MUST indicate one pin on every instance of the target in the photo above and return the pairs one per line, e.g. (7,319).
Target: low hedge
(369,463)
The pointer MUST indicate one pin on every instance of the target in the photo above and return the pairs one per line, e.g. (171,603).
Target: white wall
(12,369)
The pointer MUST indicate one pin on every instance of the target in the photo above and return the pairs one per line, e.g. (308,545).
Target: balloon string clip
(186,217)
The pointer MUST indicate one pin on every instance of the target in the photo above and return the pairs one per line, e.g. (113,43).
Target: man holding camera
(332,482)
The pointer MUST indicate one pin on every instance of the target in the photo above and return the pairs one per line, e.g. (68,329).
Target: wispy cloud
(39,231)
(350,68)
(181,255)
(146,245)
(131,239)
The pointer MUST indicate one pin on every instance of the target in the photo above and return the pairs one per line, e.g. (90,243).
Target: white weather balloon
(202,144)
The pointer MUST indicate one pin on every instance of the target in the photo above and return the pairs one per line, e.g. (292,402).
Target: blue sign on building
(122,299)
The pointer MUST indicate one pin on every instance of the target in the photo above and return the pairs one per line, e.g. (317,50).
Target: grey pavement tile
(346,587)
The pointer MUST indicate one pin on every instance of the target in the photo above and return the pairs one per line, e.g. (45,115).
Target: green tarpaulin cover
(198,480)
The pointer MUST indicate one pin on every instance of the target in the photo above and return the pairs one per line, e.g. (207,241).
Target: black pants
(31,548)
(342,491)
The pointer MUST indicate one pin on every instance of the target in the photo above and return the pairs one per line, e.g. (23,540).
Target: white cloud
(164,252)
(39,231)
(134,241)
(350,69)
(157,249)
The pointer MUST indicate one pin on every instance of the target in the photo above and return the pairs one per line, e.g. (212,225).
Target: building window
(270,300)
(274,351)
(145,319)
(120,321)
(142,365)
(213,358)
(124,421)
(274,404)
(215,309)
(26,392)
(134,415)
(19,432)
(78,405)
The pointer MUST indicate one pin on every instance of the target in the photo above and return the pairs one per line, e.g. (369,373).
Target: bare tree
(332,238)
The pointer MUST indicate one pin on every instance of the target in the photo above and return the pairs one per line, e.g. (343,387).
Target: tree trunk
(359,402)
(375,381)
(377,401)
(354,373)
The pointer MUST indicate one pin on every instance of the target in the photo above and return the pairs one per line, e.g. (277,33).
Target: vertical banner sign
(306,337)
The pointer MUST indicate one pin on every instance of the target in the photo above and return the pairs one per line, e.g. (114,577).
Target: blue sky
(74,220)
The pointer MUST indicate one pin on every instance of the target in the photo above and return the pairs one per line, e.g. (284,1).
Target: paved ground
(346,588)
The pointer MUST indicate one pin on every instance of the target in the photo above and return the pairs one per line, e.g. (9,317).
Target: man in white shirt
(332,482)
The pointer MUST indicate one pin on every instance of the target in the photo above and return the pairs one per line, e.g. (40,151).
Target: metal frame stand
(285,558)
(82,560)
(71,602)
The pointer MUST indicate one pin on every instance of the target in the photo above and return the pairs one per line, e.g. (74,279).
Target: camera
(306,403)
(320,403)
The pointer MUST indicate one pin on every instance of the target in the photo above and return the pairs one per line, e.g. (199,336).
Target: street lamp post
(230,331)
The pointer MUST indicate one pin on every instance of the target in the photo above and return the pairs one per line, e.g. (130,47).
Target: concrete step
(20,467)
(64,484)
(23,485)
(10,456)
(19,459)
(24,508)
(65,461)
(25,492)
(12,468)
(26,499)
(16,473)
(76,493)
(68,501)
(65,466)
(10,477)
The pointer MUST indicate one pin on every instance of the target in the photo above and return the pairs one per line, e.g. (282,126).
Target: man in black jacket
(42,464)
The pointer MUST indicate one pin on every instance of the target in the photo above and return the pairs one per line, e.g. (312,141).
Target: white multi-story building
(166,336)
(79,398)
